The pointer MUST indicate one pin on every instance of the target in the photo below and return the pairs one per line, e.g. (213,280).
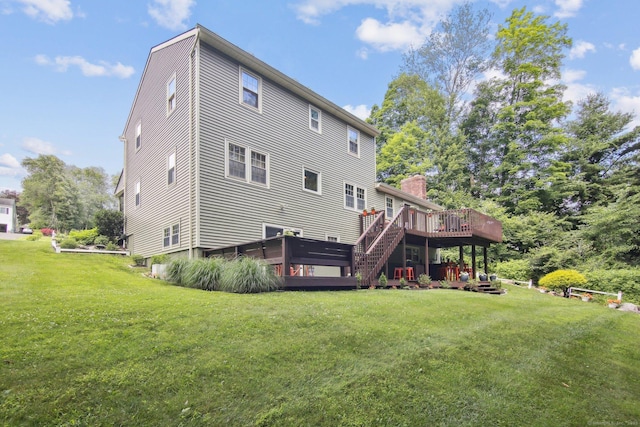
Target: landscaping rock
(627,306)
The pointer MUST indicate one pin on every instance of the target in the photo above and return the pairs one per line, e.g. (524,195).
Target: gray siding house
(221,148)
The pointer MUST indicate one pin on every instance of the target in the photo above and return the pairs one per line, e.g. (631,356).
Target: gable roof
(215,41)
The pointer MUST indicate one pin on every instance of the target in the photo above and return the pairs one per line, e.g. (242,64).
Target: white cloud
(391,36)
(361,111)
(634,60)
(50,11)
(101,69)
(576,90)
(38,146)
(580,49)
(171,14)
(567,8)
(9,161)
(626,102)
(407,21)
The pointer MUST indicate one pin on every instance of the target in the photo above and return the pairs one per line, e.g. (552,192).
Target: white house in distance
(220,148)
(8,216)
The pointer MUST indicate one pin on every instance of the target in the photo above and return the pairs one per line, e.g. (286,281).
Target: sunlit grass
(88,340)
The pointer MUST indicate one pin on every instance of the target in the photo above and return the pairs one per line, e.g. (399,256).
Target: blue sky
(70,68)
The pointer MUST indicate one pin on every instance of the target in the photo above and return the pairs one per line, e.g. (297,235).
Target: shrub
(101,240)
(160,259)
(515,269)
(46,231)
(69,243)
(248,275)
(626,280)
(109,223)
(138,260)
(176,270)
(424,280)
(84,237)
(34,237)
(112,247)
(382,280)
(561,280)
(204,274)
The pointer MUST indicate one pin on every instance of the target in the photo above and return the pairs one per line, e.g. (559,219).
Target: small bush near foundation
(112,247)
(176,270)
(101,240)
(561,280)
(69,243)
(138,260)
(160,259)
(84,237)
(204,273)
(248,275)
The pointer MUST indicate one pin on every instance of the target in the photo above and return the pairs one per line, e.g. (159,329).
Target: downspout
(123,139)
(192,53)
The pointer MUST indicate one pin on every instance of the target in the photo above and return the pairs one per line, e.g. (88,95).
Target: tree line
(563,178)
(60,196)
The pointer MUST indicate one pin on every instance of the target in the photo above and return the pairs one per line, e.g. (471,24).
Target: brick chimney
(415,185)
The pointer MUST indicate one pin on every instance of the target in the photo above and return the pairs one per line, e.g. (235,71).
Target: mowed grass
(87,340)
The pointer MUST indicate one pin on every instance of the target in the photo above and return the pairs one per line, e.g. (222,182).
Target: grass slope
(87,340)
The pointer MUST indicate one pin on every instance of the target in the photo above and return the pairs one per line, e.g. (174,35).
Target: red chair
(410,274)
(397,273)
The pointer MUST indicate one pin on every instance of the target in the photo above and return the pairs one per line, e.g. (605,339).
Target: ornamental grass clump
(176,270)
(561,280)
(204,274)
(248,275)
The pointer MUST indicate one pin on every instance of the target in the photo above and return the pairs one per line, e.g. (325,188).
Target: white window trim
(175,95)
(241,89)
(294,229)
(349,128)
(138,126)
(393,206)
(319,130)
(355,196)
(319,192)
(247,165)
(335,236)
(170,228)
(175,168)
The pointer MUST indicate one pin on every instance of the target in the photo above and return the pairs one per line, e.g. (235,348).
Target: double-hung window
(353,137)
(258,167)
(250,89)
(171,94)
(171,169)
(237,162)
(389,207)
(315,118)
(171,236)
(4,211)
(354,197)
(247,164)
(138,135)
(137,193)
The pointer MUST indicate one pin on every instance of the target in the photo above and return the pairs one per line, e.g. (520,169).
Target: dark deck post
(484,254)
(426,257)
(461,262)
(473,261)
(285,257)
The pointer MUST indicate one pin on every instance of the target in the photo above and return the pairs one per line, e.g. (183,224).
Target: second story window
(171,95)
(247,164)
(138,135)
(315,117)
(354,197)
(251,89)
(236,161)
(354,141)
(171,169)
(311,181)
(258,168)
(389,206)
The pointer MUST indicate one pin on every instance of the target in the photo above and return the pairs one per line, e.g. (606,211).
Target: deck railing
(454,223)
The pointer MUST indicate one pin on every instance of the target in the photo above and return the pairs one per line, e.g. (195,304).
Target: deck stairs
(376,244)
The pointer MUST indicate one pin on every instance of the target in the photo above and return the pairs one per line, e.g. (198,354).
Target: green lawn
(87,340)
